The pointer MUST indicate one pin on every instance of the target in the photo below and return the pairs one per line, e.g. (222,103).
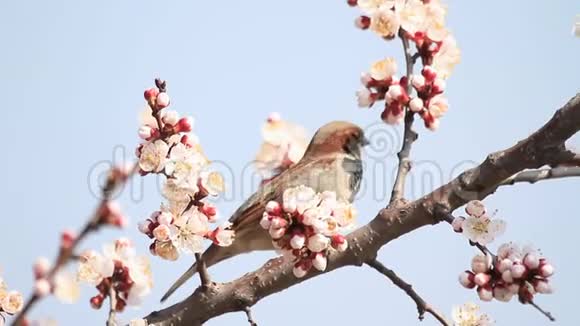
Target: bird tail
(211,256)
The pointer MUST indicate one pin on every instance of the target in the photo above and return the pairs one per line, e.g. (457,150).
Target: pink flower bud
(482,279)
(532,261)
(466,279)
(395,92)
(41,267)
(67,239)
(210,211)
(145,132)
(429,73)
(188,141)
(97,301)
(457,224)
(366,79)
(339,242)
(170,117)
(352,3)
(518,271)
(433,125)
(479,264)
(507,277)
(274,117)
(144,226)
(416,104)
(439,85)
(297,241)
(299,271)
(485,293)
(543,286)
(277,233)
(475,208)
(266,221)
(318,243)
(502,293)
(546,270)
(162,232)
(363,22)
(319,262)
(165,218)
(278,222)
(184,125)
(365,98)
(150,94)
(274,208)
(162,101)
(418,82)
(504,265)
(42,288)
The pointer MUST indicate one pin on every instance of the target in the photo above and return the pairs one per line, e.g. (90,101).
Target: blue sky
(72,75)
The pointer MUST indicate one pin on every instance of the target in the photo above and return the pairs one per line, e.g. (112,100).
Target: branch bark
(544,147)
(422,306)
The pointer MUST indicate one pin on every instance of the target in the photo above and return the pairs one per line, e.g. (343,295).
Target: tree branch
(422,306)
(248,311)
(544,147)
(534,176)
(113,307)
(409,136)
(544,312)
(202,270)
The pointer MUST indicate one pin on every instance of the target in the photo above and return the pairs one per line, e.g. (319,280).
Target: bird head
(337,137)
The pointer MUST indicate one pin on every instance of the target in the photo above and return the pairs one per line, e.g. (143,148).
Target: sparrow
(332,162)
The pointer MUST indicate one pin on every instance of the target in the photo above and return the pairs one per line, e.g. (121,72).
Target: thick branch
(422,306)
(409,136)
(544,147)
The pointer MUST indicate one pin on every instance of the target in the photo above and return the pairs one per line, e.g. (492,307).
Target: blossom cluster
(306,225)
(468,315)
(283,146)
(170,149)
(64,285)
(11,302)
(422,22)
(516,271)
(117,271)
(478,226)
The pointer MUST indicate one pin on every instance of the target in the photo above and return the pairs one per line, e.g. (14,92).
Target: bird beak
(365,141)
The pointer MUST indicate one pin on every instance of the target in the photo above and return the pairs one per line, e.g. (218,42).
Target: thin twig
(113,307)
(544,312)
(202,270)
(533,176)
(67,254)
(248,312)
(422,306)
(409,136)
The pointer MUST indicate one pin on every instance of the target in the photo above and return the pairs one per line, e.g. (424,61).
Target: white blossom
(153,156)
(468,315)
